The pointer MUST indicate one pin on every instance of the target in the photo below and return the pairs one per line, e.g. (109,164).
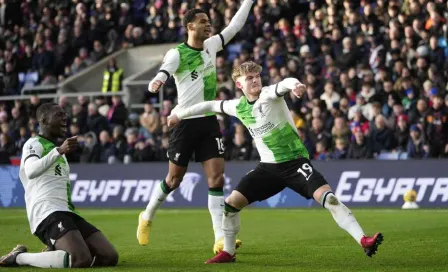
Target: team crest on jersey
(32,151)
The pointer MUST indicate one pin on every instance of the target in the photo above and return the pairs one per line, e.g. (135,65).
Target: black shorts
(199,135)
(59,223)
(268,179)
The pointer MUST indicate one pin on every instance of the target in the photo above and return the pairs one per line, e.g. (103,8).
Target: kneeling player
(284,159)
(44,172)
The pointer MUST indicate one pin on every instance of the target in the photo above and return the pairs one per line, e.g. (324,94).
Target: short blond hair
(245,68)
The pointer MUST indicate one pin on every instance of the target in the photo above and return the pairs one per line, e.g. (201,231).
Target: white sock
(157,198)
(230,227)
(342,215)
(215,207)
(49,259)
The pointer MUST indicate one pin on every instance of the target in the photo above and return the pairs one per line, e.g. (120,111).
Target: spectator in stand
(150,122)
(361,147)
(382,138)
(364,58)
(120,143)
(113,77)
(402,133)
(117,114)
(341,150)
(106,148)
(241,148)
(416,149)
(436,129)
(96,122)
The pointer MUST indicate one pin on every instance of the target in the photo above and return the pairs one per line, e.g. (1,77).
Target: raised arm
(218,42)
(168,68)
(237,22)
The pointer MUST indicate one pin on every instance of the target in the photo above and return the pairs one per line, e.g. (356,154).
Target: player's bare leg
(73,243)
(214,170)
(346,220)
(231,226)
(103,252)
(172,181)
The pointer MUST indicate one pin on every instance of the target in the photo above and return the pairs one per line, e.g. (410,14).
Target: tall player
(284,159)
(44,172)
(192,64)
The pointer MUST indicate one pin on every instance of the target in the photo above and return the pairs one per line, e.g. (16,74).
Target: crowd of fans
(376,72)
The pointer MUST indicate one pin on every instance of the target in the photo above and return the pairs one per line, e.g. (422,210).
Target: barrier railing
(56,96)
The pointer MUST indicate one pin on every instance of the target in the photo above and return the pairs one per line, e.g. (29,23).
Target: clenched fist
(299,90)
(155,86)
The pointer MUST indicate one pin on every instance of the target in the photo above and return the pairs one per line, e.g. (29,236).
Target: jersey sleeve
(229,106)
(219,106)
(280,89)
(35,164)
(32,148)
(169,66)
(215,43)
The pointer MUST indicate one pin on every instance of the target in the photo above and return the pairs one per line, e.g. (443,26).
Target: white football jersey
(194,71)
(50,191)
(270,123)
(268,120)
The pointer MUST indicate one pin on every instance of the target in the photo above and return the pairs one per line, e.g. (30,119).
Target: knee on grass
(81,259)
(109,258)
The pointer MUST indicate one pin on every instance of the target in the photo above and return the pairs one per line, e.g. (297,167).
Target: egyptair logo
(188,184)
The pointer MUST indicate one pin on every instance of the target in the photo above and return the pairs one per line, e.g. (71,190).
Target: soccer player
(192,64)
(284,159)
(44,172)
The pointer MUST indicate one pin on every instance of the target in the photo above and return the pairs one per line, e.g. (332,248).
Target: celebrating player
(192,64)
(284,159)
(44,172)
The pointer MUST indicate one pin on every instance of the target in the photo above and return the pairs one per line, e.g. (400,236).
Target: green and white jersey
(45,176)
(194,69)
(268,120)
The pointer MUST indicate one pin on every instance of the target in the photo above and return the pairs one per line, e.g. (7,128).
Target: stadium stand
(376,73)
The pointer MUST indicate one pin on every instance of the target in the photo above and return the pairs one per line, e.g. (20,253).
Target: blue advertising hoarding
(356,183)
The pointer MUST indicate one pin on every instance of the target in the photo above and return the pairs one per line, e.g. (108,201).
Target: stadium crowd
(376,73)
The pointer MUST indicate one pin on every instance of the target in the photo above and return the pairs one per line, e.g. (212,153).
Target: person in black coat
(361,148)
(382,138)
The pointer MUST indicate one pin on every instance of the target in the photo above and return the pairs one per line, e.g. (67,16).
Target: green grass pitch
(273,240)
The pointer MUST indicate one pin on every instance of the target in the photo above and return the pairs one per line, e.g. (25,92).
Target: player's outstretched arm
(235,25)
(35,164)
(168,68)
(285,86)
(218,106)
